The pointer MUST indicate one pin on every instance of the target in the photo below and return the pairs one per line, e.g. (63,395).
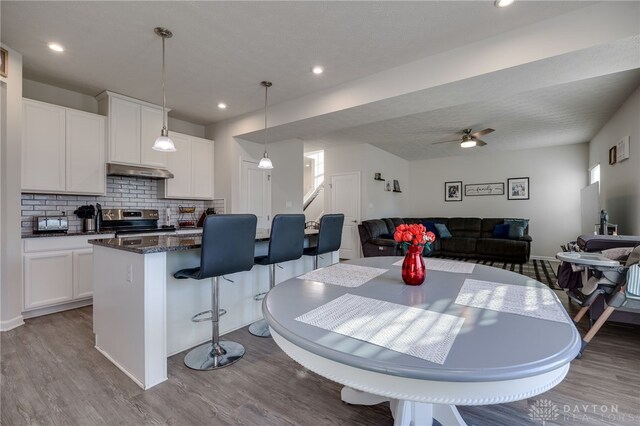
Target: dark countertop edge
(65,234)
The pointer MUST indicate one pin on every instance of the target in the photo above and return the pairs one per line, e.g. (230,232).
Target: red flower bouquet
(414,235)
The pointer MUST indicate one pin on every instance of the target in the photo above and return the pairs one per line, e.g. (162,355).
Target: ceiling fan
(468,139)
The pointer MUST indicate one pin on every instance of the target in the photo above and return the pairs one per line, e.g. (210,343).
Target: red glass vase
(413,270)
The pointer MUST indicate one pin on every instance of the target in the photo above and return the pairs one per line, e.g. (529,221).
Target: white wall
(70,99)
(620,183)
(10,175)
(367,159)
(556,176)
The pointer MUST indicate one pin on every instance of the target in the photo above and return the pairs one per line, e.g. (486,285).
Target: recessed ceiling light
(56,47)
(317,70)
(222,105)
(503,3)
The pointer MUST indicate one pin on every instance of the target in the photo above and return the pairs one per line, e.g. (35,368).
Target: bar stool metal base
(205,357)
(260,329)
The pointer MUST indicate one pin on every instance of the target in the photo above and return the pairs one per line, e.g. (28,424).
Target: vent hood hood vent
(137,171)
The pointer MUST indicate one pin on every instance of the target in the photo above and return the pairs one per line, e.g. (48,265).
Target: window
(594,174)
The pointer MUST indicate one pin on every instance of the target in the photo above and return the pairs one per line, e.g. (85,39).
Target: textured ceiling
(222,50)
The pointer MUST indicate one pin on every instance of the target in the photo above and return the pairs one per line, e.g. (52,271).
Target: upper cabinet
(192,167)
(133,127)
(62,150)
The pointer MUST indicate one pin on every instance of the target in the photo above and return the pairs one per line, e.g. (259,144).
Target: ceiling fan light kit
(468,139)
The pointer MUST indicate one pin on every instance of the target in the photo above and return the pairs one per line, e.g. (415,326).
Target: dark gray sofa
(471,237)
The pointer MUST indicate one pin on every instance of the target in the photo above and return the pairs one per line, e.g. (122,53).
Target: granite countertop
(65,234)
(164,243)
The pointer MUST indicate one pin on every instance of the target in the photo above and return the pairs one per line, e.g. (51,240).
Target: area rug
(541,270)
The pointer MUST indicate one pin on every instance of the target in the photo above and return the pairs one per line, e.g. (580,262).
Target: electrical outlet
(129,273)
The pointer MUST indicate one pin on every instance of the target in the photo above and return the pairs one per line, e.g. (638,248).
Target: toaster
(44,224)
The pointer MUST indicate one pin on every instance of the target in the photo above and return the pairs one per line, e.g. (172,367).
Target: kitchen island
(142,314)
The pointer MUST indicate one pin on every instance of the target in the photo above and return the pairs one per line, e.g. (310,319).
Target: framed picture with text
(4,62)
(453,191)
(518,188)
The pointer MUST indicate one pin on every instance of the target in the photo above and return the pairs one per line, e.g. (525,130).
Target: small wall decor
(377,176)
(387,185)
(396,186)
(518,188)
(453,191)
(4,62)
(622,149)
(612,155)
(475,189)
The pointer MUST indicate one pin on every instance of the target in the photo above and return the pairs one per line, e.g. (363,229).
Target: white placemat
(343,274)
(534,302)
(412,331)
(445,265)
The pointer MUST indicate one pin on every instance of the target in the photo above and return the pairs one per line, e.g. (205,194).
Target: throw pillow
(501,231)
(443,231)
(386,236)
(516,227)
(431,227)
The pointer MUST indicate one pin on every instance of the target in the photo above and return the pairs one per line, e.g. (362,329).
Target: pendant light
(265,162)
(163,143)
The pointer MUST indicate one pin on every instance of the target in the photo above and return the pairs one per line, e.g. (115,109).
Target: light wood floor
(51,374)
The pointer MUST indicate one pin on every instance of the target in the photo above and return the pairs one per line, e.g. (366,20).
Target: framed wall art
(518,188)
(4,62)
(453,191)
(612,155)
(622,149)
(475,189)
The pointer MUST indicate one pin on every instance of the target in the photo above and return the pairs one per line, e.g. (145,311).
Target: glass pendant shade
(164,144)
(265,162)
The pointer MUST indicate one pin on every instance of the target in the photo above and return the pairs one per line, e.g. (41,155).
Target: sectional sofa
(470,237)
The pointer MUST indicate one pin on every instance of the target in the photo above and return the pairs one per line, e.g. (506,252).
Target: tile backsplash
(122,192)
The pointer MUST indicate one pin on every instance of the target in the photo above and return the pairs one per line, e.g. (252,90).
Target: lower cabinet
(57,271)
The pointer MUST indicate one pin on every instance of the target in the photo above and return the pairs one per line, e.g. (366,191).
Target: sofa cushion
(488,225)
(375,227)
(443,231)
(508,249)
(501,230)
(458,245)
(412,220)
(392,223)
(517,227)
(465,226)
(383,242)
(390,236)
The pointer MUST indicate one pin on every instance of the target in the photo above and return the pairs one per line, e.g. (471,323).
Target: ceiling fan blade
(480,142)
(437,143)
(482,132)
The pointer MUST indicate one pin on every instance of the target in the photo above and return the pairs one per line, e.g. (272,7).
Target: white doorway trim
(350,237)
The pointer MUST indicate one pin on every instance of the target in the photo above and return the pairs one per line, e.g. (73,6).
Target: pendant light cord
(164,96)
(266,89)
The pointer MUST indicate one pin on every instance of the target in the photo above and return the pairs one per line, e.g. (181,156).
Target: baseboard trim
(12,323)
(549,258)
(57,308)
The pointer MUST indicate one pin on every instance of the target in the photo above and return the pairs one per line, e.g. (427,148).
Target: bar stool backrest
(330,235)
(287,238)
(228,244)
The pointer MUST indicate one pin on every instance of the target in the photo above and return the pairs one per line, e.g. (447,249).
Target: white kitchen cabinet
(58,273)
(133,127)
(43,147)
(47,278)
(85,146)
(82,273)
(192,167)
(62,150)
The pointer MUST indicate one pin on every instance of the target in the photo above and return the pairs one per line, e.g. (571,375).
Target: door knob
(355,221)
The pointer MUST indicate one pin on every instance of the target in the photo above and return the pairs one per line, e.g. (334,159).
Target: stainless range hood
(137,171)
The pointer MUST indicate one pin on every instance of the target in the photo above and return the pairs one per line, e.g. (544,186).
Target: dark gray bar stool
(285,243)
(329,237)
(228,246)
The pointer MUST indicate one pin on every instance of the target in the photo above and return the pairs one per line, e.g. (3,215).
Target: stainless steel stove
(126,222)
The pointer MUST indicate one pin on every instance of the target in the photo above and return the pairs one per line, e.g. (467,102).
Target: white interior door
(345,198)
(256,192)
